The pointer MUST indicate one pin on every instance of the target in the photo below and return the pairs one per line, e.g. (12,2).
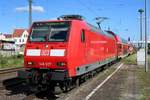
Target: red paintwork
(97,47)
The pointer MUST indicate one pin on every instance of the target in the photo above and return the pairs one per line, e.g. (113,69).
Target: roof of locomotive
(98,30)
(90,26)
(65,18)
(81,19)
(71,17)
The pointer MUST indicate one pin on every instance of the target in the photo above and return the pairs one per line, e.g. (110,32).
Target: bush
(11,61)
(130,60)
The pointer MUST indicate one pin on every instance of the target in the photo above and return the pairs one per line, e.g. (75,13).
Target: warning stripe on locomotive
(52,52)
(33,52)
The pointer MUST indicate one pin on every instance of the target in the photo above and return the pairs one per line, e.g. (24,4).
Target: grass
(144,83)
(12,61)
(142,76)
(130,60)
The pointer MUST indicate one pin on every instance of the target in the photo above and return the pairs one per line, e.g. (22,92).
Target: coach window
(82,36)
(119,46)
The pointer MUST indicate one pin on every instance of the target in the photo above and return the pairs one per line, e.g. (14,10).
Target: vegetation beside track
(11,61)
(142,76)
(144,83)
(130,60)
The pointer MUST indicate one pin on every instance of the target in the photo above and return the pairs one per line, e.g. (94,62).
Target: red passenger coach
(123,47)
(62,51)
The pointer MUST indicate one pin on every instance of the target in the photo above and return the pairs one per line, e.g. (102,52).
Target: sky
(123,15)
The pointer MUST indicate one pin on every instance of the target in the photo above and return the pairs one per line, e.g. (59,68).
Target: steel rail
(10,70)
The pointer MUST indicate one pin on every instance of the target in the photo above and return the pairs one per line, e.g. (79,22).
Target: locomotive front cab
(47,45)
(45,56)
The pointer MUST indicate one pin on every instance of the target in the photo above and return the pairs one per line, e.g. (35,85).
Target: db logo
(45,52)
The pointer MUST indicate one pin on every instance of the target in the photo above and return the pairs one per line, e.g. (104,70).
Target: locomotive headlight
(30,63)
(61,63)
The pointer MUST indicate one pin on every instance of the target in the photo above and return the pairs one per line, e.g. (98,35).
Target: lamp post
(141,11)
(146,61)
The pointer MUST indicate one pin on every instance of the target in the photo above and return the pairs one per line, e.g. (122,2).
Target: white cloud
(34,9)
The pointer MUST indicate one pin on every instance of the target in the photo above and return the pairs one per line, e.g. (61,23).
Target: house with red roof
(20,36)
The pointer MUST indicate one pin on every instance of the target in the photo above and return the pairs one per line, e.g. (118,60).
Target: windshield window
(52,31)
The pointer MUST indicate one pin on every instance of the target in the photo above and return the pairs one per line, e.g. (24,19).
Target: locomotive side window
(49,31)
(82,36)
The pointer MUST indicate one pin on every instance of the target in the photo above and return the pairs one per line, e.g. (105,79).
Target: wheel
(77,82)
(65,86)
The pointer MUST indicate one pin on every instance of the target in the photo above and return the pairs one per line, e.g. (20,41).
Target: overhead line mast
(146,48)
(30,12)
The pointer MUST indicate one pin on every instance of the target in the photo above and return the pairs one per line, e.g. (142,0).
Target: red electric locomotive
(60,52)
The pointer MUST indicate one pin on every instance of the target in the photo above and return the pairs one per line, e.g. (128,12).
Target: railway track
(10,70)
(9,81)
(16,83)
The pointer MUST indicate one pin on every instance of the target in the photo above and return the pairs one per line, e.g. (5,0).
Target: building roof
(8,35)
(18,32)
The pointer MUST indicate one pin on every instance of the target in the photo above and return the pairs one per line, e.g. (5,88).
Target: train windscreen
(49,31)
